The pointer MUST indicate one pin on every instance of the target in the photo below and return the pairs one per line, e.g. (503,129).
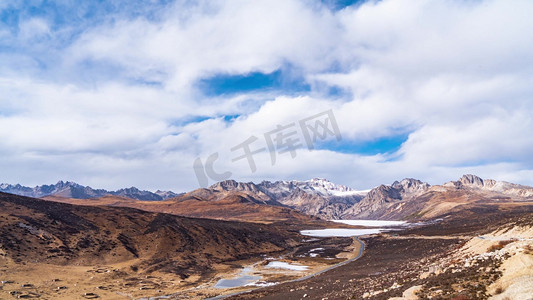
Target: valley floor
(316,256)
(451,259)
(45,281)
(481,252)
(454,259)
(117,281)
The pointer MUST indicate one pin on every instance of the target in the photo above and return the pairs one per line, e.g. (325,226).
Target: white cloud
(229,36)
(33,29)
(455,75)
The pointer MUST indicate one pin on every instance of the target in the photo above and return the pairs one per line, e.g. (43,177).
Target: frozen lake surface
(371,223)
(340,232)
(284,265)
(242,279)
(245,279)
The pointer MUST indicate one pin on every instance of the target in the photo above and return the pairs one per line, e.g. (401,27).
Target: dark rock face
(471,180)
(410,185)
(384,199)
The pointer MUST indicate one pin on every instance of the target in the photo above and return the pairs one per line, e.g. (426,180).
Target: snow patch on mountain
(319,186)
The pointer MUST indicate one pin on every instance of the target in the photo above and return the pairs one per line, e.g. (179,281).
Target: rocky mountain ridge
(470,181)
(414,199)
(316,197)
(407,199)
(70,189)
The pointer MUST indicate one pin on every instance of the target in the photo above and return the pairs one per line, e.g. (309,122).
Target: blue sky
(227,84)
(120,93)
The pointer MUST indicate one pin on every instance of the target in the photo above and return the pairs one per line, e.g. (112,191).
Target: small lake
(243,279)
(339,232)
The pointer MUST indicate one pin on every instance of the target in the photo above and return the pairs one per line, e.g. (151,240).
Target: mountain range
(414,199)
(316,197)
(70,189)
(408,199)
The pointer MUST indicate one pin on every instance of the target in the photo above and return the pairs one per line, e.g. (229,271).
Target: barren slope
(57,233)
(230,205)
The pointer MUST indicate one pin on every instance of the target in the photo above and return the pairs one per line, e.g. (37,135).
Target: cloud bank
(119,94)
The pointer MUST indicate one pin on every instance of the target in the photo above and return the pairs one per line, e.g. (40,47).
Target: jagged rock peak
(411,185)
(62,184)
(383,191)
(129,190)
(313,186)
(71,189)
(328,185)
(231,185)
(471,180)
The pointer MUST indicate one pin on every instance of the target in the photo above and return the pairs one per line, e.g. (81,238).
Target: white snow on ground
(261,283)
(316,249)
(371,223)
(284,265)
(341,232)
(349,193)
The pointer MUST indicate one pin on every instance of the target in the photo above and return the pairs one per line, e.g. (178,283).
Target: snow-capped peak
(326,187)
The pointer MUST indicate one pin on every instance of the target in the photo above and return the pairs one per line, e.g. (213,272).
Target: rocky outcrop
(411,186)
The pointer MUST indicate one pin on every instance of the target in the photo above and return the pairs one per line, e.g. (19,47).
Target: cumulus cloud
(115,101)
(214,37)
